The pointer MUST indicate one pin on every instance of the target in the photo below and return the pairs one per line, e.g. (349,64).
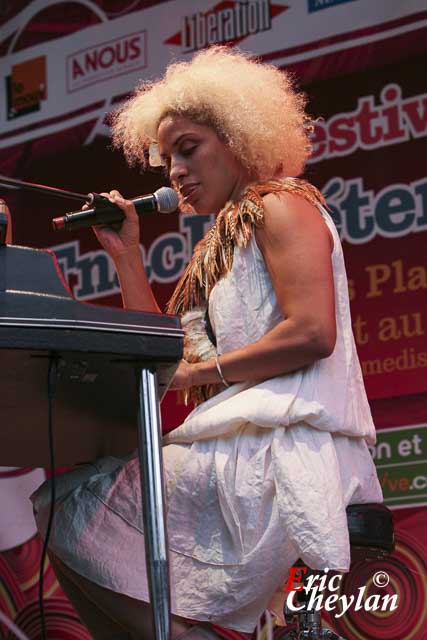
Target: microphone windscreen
(167,199)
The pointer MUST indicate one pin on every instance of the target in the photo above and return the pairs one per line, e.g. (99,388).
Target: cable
(52,376)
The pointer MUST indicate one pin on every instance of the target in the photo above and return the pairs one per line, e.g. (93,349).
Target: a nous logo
(106,60)
(228,22)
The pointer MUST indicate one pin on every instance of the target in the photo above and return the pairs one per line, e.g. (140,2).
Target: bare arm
(137,293)
(122,244)
(296,245)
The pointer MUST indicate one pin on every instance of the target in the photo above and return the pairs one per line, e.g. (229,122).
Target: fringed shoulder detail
(213,257)
(297,186)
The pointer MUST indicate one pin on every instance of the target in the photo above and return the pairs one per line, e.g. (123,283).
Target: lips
(188,191)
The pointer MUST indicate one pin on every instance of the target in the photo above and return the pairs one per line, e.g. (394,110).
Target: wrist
(220,372)
(205,373)
(128,256)
(196,377)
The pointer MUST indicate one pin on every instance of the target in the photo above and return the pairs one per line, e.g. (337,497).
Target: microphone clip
(97,201)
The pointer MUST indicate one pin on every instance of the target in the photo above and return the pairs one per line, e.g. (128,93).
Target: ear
(279,173)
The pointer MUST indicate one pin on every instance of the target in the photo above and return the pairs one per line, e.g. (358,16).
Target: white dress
(256,477)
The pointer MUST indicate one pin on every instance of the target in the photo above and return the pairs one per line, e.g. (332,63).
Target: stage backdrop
(65,65)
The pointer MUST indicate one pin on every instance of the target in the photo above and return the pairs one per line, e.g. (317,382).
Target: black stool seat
(371,531)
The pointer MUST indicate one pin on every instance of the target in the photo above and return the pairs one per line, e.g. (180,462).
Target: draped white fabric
(256,477)
(329,395)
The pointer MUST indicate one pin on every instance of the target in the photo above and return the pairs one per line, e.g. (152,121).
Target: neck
(239,188)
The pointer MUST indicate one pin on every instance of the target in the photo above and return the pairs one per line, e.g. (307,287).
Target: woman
(262,470)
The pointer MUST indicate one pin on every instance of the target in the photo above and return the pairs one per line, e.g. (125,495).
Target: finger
(127,206)
(118,199)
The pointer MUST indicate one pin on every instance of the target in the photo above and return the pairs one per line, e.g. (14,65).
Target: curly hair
(253,107)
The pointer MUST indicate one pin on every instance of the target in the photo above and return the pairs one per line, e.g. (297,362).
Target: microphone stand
(88,198)
(149,454)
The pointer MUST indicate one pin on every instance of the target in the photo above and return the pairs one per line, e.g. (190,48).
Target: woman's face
(201,167)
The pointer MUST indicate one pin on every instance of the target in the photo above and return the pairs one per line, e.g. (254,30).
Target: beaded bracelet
(218,366)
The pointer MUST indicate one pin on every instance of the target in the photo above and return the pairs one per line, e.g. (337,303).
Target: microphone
(164,200)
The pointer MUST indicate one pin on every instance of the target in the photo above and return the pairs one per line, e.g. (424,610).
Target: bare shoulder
(290,218)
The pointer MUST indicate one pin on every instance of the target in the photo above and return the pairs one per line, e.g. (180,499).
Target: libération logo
(318,5)
(228,22)
(324,592)
(26,87)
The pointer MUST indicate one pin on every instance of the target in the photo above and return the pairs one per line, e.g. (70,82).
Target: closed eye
(188,151)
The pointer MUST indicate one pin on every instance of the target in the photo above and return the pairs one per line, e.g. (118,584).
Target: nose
(178,168)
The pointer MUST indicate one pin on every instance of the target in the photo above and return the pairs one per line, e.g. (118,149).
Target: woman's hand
(121,242)
(125,237)
(183,377)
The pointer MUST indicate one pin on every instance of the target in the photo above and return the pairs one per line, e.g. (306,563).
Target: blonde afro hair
(252,107)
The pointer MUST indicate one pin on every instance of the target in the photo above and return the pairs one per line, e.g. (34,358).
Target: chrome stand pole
(153,503)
